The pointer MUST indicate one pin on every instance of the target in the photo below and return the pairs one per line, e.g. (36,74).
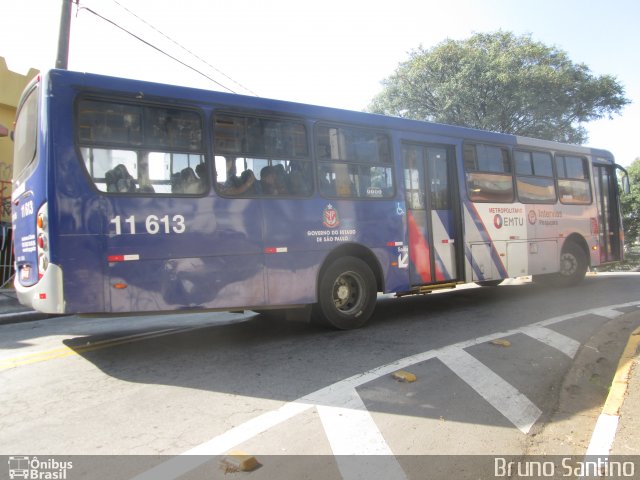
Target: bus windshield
(25,135)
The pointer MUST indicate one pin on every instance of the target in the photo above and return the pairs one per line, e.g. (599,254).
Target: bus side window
(107,166)
(228,182)
(574,187)
(257,156)
(354,162)
(488,173)
(534,177)
(139,149)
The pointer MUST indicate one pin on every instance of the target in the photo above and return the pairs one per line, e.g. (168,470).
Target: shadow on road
(278,360)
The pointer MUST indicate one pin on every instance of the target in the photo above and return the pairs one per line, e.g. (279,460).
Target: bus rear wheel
(346,294)
(573,267)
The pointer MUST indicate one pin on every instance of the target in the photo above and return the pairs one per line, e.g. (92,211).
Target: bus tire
(573,267)
(346,294)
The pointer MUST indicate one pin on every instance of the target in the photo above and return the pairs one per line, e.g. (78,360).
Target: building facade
(11,86)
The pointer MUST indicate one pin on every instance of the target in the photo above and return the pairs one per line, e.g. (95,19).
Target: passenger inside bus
(120,180)
(327,185)
(299,180)
(268,181)
(235,185)
(186,182)
(203,174)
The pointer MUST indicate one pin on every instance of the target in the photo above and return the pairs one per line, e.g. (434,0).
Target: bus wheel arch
(347,283)
(574,263)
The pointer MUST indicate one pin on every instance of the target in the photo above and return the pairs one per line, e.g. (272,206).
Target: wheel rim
(348,292)
(568,264)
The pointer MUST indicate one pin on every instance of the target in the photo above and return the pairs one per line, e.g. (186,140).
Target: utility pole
(62,61)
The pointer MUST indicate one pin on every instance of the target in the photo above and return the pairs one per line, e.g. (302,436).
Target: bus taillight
(42,245)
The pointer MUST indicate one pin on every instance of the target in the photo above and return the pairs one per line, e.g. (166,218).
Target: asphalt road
(505,371)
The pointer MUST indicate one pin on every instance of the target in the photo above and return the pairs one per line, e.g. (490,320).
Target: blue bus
(131,196)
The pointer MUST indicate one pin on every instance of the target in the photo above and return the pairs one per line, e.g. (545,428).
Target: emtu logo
(498,221)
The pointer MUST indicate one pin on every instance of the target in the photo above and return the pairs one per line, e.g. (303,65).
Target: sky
(333,53)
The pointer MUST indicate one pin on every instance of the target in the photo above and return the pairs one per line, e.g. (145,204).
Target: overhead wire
(137,37)
(184,48)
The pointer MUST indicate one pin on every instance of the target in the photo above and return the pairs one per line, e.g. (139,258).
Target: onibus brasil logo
(33,468)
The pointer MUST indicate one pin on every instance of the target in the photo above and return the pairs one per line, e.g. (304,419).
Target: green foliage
(631,205)
(500,82)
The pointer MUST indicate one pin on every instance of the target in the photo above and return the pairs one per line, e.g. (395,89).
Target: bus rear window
(26,135)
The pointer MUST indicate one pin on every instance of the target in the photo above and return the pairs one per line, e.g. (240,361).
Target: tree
(631,205)
(500,82)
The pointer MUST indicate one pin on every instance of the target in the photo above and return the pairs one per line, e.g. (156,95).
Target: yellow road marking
(621,378)
(65,351)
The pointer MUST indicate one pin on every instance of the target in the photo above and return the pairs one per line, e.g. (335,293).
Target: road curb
(606,427)
(621,379)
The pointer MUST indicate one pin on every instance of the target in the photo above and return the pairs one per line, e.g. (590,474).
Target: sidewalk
(627,435)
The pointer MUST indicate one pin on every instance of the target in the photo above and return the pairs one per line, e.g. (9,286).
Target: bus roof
(154,91)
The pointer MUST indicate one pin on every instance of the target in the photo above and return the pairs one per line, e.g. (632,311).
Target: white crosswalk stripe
(494,389)
(351,430)
(566,345)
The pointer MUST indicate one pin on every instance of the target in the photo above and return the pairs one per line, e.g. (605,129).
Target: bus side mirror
(626,187)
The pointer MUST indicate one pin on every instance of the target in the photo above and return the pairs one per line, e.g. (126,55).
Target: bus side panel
(292,285)
(300,235)
(516,239)
(581,220)
(184,253)
(80,239)
(78,214)
(292,245)
(484,254)
(186,283)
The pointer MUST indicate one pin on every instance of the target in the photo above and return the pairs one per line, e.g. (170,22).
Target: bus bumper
(47,295)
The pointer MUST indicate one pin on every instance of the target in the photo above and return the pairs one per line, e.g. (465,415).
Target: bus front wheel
(346,294)
(573,265)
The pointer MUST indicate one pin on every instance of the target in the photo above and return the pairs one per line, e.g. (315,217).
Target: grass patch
(631,262)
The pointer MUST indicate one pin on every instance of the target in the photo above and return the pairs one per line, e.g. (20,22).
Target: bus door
(608,220)
(432,218)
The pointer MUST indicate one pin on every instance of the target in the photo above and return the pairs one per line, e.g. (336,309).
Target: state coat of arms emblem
(330,218)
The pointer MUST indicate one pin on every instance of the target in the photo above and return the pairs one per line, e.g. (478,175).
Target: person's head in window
(201,171)
(269,180)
